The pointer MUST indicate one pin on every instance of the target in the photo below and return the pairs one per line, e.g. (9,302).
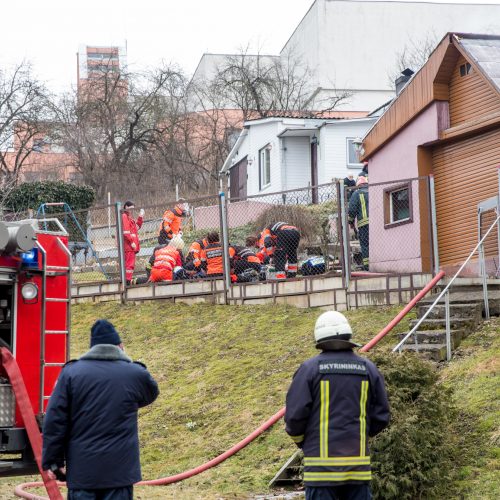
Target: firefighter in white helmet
(335,402)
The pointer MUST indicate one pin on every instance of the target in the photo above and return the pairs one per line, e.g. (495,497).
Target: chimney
(402,80)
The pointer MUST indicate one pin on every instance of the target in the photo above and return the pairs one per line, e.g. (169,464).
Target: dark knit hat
(128,204)
(103,332)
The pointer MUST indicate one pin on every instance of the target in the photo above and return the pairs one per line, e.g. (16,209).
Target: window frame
(388,207)
(354,166)
(266,150)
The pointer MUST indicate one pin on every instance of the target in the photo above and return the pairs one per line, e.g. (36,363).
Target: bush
(30,195)
(414,457)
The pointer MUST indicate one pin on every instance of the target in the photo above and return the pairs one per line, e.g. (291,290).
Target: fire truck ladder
(51,273)
(69,215)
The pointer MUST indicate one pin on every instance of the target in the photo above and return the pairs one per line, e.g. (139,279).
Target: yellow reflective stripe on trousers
(338,476)
(324,414)
(362,417)
(336,461)
(364,212)
(297,439)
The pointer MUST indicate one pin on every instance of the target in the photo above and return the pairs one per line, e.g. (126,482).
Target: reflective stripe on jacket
(212,256)
(358,207)
(269,235)
(165,257)
(336,400)
(243,253)
(195,249)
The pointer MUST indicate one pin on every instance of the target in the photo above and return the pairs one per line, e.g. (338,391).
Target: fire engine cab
(35,295)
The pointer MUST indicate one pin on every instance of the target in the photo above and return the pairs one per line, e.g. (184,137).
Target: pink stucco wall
(397,249)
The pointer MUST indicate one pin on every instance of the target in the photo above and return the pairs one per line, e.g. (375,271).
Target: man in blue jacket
(90,429)
(335,402)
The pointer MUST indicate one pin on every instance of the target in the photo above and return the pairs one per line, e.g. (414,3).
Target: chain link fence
(390,226)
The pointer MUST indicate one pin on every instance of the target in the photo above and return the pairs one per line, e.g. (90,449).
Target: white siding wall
(258,137)
(332,162)
(296,162)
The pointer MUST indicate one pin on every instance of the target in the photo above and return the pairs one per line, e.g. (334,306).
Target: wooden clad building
(446,122)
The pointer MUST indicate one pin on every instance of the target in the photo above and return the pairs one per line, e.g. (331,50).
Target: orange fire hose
(19,490)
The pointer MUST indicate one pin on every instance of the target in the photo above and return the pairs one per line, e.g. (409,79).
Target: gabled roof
(485,52)
(430,83)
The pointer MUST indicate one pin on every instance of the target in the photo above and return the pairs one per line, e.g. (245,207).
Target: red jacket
(130,228)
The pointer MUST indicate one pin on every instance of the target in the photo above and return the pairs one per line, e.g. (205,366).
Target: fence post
(498,223)
(345,235)
(121,253)
(435,248)
(225,243)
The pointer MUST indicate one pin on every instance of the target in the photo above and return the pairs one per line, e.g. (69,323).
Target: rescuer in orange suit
(165,259)
(211,255)
(245,263)
(171,223)
(131,244)
(281,241)
(193,257)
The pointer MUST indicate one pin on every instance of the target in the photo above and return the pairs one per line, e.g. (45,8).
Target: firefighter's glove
(133,245)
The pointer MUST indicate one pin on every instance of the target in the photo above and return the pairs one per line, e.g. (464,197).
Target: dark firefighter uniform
(335,402)
(358,209)
(243,258)
(281,240)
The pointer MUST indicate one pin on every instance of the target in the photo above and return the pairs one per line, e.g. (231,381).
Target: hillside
(224,370)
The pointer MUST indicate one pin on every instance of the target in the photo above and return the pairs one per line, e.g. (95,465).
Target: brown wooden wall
(465,174)
(470,96)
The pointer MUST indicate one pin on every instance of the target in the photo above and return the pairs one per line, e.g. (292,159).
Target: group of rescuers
(335,402)
(277,243)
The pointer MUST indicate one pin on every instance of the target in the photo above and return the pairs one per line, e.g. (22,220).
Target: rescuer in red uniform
(131,244)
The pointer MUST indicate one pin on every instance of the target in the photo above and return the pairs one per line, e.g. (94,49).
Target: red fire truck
(35,294)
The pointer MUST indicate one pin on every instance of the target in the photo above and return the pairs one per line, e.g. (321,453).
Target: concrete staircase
(466,314)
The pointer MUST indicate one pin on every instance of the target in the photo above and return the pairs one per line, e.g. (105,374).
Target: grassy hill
(222,371)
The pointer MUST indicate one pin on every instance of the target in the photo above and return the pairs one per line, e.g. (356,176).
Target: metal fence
(302,232)
(388,227)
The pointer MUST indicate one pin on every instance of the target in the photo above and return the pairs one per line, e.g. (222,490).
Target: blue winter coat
(91,420)
(336,400)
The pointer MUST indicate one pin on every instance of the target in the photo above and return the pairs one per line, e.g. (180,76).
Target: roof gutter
(228,163)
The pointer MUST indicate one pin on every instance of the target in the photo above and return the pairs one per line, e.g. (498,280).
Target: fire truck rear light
(7,406)
(29,291)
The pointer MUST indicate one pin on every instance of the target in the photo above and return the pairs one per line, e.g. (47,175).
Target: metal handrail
(445,290)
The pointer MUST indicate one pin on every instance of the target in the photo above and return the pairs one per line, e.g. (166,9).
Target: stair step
(468,325)
(473,310)
(435,352)
(434,337)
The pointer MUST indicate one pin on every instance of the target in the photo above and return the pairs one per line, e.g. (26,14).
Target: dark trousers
(364,242)
(341,492)
(287,242)
(124,493)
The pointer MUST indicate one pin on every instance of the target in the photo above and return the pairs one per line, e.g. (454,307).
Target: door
(238,181)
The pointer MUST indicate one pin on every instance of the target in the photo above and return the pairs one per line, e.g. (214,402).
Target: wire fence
(390,226)
(383,227)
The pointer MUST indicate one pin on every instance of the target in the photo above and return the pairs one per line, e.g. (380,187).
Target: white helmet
(177,242)
(333,332)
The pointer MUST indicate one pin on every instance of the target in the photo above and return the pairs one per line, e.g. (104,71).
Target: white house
(284,153)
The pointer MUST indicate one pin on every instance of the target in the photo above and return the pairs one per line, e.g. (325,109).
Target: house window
(265,167)
(398,205)
(352,156)
(465,69)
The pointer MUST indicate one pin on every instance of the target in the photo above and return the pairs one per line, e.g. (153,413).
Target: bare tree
(24,116)
(413,55)
(116,125)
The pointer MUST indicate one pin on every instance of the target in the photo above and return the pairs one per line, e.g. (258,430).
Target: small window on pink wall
(398,207)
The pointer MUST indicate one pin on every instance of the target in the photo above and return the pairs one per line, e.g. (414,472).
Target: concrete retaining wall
(324,292)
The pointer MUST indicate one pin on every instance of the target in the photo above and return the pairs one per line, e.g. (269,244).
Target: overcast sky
(49,33)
